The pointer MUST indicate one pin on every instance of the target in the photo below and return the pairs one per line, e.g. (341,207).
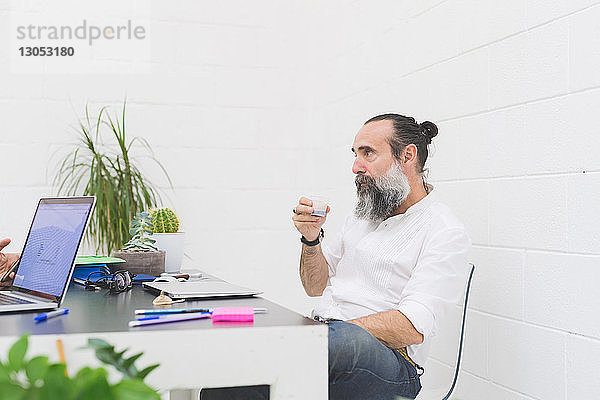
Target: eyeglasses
(118,282)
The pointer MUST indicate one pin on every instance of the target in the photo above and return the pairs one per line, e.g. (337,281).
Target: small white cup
(319,206)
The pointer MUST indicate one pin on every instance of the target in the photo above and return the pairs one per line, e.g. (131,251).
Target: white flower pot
(172,244)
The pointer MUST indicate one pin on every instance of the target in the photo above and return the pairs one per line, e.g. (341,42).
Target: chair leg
(462,334)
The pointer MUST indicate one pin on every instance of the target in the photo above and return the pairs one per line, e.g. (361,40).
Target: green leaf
(36,368)
(128,362)
(56,384)
(119,355)
(106,355)
(11,391)
(16,354)
(96,343)
(132,389)
(58,370)
(83,374)
(34,393)
(92,384)
(4,373)
(143,373)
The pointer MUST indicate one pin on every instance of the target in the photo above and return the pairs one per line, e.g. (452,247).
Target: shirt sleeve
(437,281)
(333,249)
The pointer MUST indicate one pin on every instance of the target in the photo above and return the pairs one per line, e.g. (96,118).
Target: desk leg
(183,394)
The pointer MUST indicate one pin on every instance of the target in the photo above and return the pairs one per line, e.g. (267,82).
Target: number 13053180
(46,51)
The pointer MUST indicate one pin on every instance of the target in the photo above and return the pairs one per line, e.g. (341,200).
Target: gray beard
(381,197)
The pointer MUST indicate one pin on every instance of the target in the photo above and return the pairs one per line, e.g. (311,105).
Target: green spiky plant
(164,220)
(121,190)
(38,378)
(141,229)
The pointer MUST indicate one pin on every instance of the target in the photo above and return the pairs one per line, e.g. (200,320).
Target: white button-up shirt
(413,262)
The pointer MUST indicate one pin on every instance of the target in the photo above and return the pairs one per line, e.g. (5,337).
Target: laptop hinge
(28,296)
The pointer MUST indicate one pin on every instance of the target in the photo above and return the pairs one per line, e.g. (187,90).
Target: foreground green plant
(120,188)
(38,379)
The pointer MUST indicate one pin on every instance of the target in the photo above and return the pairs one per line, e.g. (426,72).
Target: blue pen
(51,314)
(159,311)
(167,318)
(146,318)
(164,311)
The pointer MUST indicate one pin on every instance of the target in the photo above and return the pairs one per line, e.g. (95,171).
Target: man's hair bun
(429,130)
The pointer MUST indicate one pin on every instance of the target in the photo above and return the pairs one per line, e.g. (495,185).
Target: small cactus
(164,220)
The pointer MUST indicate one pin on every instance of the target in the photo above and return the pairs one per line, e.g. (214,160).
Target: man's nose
(358,167)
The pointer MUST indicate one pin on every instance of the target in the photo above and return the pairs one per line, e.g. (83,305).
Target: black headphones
(118,282)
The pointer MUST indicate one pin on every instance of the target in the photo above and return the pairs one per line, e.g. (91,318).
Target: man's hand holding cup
(309,216)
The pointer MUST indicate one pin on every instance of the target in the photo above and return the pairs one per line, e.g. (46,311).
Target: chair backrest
(443,365)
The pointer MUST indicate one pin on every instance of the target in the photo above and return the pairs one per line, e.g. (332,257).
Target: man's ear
(410,155)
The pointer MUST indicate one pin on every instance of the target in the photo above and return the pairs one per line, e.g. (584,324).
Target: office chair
(430,390)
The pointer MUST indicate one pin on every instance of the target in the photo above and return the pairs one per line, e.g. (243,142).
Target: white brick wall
(568,277)
(582,354)
(249,107)
(527,358)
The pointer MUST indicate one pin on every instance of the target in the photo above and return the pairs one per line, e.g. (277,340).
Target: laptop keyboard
(10,300)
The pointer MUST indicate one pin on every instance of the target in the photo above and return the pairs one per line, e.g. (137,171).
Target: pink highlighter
(233,314)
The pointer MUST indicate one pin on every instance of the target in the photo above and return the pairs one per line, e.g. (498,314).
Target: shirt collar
(419,205)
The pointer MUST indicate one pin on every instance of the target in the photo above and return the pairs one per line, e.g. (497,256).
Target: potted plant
(94,168)
(140,253)
(168,238)
(37,378)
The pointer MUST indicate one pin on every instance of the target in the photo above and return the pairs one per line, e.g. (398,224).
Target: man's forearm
(313,270)
(391,328)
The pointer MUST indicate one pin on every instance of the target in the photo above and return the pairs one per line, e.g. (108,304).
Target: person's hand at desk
(6,262)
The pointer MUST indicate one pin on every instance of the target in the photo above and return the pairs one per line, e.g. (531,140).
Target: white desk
(282,349)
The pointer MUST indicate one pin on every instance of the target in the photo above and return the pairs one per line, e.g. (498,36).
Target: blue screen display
(51,247)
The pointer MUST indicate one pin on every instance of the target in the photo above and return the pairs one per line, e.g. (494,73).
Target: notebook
(199,289)
(48,257)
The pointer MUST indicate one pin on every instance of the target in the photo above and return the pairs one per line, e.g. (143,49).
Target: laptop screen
(52,244)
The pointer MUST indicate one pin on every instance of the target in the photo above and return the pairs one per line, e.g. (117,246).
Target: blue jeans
(361,367)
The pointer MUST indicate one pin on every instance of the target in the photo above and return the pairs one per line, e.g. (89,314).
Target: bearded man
(386,279)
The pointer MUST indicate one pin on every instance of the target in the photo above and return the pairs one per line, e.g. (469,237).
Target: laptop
(199,289)
(48,257)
